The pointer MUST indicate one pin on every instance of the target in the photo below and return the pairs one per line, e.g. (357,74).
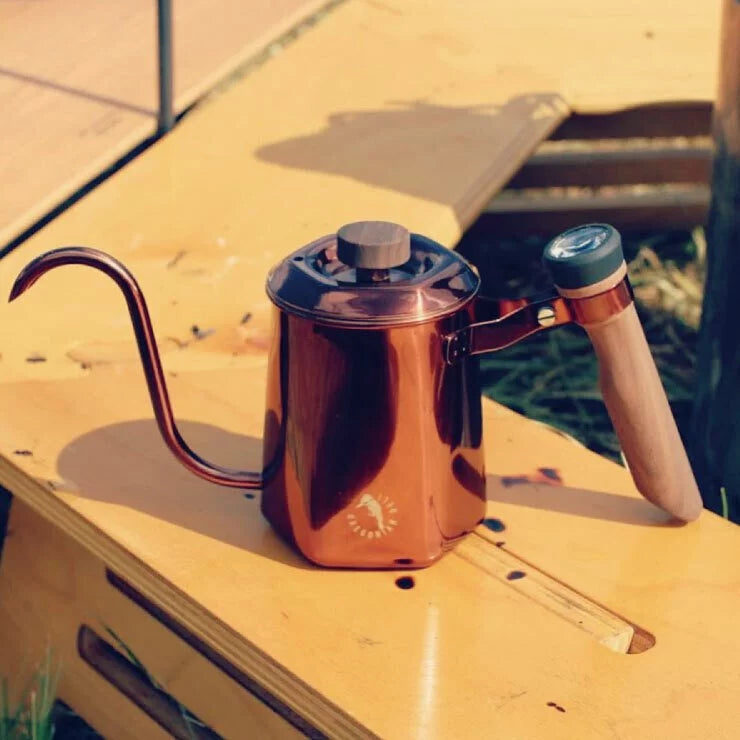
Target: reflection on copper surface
(383,464)
(599,308)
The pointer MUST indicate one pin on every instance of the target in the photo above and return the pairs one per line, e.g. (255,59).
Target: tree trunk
(716,423)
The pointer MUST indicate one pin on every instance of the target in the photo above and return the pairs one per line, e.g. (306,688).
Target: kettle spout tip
(19,287)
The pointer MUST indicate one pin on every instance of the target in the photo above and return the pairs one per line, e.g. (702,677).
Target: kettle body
(373,450)
(379,443)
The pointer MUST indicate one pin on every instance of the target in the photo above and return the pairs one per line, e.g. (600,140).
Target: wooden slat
(689,118)
(550,214)
(643,165)
(78,79)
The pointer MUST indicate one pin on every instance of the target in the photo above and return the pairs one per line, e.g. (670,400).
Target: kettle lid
(371,274)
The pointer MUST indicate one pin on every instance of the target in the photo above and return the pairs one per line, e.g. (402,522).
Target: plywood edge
(11,232)
(220,78)
(296,694)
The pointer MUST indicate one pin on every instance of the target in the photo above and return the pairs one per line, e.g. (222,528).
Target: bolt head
(546,316)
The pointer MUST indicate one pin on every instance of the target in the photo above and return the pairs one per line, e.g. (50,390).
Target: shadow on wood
(366,145)
(531,491)
(160,487)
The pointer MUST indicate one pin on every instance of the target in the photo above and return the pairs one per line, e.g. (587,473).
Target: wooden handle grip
(639,410)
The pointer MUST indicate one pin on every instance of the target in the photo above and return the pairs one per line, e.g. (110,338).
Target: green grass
(30,717)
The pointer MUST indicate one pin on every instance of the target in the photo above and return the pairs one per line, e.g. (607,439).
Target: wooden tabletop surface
(465,652)
(199,218)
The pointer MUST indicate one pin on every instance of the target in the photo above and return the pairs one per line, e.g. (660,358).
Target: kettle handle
(641,415)
(588,268)
(149,357)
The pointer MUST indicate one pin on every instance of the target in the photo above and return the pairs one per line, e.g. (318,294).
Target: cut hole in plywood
(606,627)
(132,680)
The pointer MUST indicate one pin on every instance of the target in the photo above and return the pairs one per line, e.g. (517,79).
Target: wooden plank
(207,556)
(624,166)
(99,107)
(78,79)
(649,120)
(45,573)
(550,214)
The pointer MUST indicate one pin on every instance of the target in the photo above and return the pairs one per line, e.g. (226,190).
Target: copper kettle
(373,453)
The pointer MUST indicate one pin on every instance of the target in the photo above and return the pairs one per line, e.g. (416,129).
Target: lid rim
(386,322)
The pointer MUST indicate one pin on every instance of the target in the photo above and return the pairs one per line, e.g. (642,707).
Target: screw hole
(405,582)
(495,525)
(515,575)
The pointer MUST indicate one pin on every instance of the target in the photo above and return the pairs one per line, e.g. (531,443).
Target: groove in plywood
(600,624)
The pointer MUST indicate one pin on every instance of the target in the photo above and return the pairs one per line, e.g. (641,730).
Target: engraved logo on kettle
(376,518)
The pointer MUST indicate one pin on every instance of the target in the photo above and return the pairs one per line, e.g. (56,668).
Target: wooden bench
(612,622)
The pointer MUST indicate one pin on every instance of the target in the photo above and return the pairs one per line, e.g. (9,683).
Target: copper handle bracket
(534,315)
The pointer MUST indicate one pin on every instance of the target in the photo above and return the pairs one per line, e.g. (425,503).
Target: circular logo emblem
(373,516)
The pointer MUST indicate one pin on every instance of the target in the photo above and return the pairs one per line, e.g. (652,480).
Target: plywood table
(582,614)
(579,611)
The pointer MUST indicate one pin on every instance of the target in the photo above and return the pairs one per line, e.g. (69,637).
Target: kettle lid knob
(374,245)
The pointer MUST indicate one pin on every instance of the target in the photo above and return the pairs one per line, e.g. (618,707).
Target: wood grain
(639,410)
(79,82)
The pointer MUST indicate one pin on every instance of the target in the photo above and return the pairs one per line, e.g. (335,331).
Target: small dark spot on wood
(368,641)
(552,474)
(249,495)
(23,453)
(555,706)
(495,525)
(173,303)
(35,358)
(515,575)
(405,582)
(172,374)
(85,365)
(176,259)
(500,543)
(649,34)
(513,480)
(247,316)
(285,614)
(199,333)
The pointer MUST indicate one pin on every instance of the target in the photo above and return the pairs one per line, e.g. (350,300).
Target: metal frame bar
(166,114)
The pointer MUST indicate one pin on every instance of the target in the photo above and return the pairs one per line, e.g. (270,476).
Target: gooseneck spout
(149,357)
